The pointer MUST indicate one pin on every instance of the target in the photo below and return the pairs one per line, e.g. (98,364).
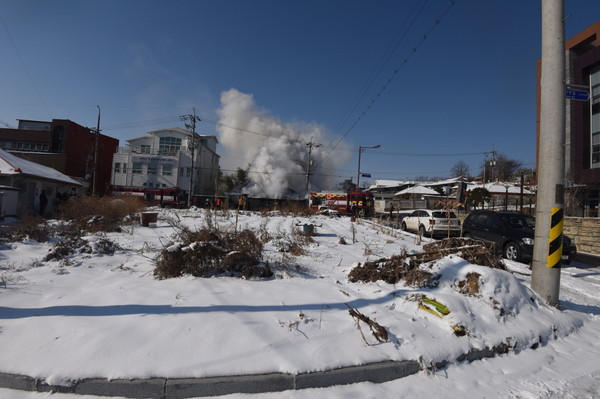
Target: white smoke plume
(276,152)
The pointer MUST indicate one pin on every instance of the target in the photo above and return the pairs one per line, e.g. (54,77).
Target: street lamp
(360,150)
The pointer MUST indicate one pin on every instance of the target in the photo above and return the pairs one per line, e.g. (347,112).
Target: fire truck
(165,197)
(357,203)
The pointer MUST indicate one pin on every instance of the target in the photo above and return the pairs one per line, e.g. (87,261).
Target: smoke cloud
(276,152)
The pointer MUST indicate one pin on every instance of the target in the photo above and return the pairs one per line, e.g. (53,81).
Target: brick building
(582,136)
(65,146)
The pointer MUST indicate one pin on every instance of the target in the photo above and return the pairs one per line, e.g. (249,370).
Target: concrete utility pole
(96,145)
(190,123)
(310,146)
(360,151)
(547,251)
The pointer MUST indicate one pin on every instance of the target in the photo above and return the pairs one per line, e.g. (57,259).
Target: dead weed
(407,267)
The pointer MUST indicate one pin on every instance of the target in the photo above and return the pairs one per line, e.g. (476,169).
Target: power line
(132,125)
(393,75)
(385,59)
(283,135)
(413,154)
(24,66)
(6,124)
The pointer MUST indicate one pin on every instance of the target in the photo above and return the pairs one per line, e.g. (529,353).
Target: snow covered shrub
(65,248)
(393,270)
(104,246)
(95,214)
(72,245)
(470,285)
(263,231)
(32,227)
(245,241)
(171,263)
(206,253)
(295,242)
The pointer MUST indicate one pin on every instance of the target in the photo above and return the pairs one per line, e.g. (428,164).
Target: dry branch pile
(378,331)
(406,267)
(207,253)
(473,251)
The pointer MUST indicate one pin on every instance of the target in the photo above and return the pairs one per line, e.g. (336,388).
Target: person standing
(43,202)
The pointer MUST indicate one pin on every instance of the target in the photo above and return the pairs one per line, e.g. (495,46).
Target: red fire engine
(165,197)
(350,203)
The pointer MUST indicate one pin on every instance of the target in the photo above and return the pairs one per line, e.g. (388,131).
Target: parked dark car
(512,232)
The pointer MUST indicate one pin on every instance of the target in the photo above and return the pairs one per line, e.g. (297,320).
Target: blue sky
(468,88)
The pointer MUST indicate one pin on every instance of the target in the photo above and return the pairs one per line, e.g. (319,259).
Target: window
(595,118)
(444,215)
(181,172)
(152,169)
(167,170)
(136,168)
(188,172)
(145,149)
(117,167)
(169,145)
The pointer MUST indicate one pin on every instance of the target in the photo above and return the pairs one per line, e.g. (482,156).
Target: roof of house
(422,190)
(13,165)
(501,188)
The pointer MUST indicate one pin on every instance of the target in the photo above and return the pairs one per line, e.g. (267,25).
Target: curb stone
(179,388)
(176,388)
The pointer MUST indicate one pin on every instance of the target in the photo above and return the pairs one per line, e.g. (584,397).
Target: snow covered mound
(102,313)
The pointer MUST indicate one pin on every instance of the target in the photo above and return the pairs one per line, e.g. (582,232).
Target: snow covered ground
(93,315)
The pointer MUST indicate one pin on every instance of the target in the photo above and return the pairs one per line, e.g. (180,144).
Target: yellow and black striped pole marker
(555,242)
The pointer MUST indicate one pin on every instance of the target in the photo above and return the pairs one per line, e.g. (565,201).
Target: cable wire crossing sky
(432,82)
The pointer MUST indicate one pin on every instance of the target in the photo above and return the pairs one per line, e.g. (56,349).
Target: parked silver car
(428,222)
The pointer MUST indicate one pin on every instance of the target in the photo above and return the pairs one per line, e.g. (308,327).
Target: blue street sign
(578,95)
(365,174)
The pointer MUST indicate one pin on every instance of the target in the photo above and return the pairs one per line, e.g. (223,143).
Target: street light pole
(360,149)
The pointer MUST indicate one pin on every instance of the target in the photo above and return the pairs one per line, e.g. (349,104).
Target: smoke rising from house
(275,152)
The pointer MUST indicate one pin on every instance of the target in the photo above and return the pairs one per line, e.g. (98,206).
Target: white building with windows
(165,159)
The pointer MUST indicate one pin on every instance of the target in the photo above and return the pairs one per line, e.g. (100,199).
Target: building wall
(585,232)
(27,189)
(66,147)
(79,147)
(206,163)
(9,199)
(125,176)
(582,56)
